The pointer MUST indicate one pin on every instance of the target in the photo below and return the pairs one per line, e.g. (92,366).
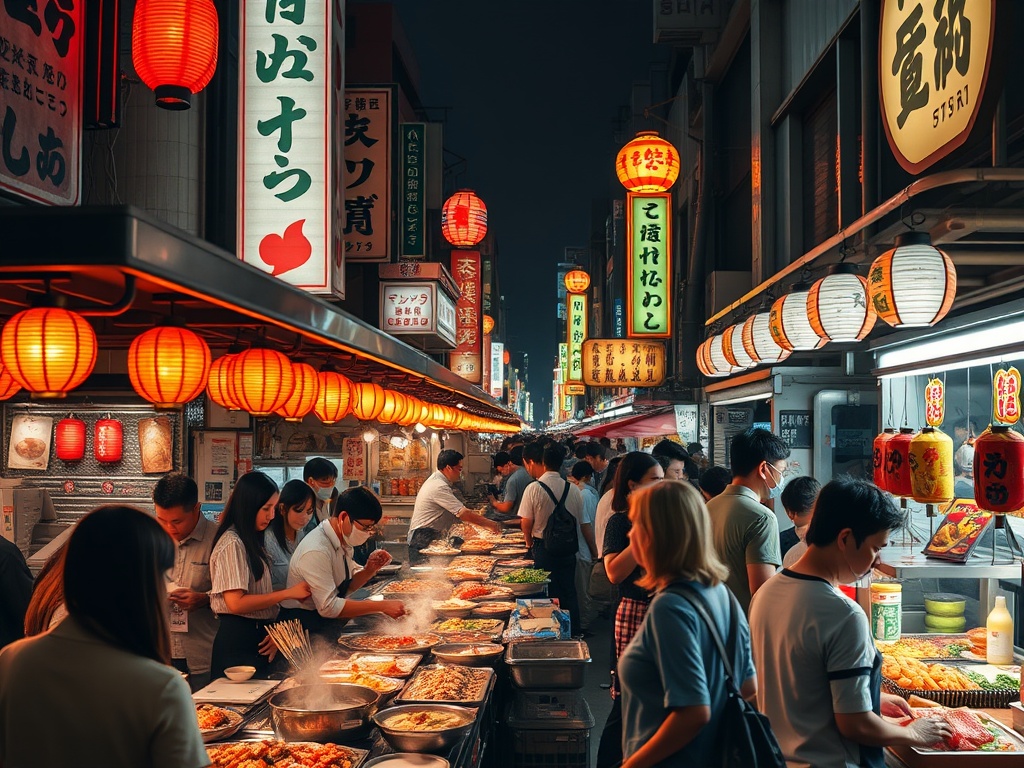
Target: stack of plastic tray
(550,729)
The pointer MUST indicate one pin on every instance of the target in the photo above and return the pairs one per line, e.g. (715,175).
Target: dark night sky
(533,89)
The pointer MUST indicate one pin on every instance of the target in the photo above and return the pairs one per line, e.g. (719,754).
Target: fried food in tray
(448,626)
(425,720)
(217,722)
(473,562)
(413,587)
(915,675)
(481,592)
(270,753)
(375,641)
(378,683)
(450,684)
(384,664)
(439,548)
(466,574)
(945,647)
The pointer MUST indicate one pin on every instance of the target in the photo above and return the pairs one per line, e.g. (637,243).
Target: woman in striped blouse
(242,594)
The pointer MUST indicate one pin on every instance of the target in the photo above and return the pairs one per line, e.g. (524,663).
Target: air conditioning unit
(723,288)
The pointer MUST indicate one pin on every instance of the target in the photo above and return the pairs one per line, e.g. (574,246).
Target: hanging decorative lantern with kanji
(897,464)
(934,403)
(464,219)
(999,469)
(913,284)
(837,305)
(647,164)
(878,456)
(174,48)
(931,468)
(487,323)
(69,439)
(576,281)
(108,440)
(48,350)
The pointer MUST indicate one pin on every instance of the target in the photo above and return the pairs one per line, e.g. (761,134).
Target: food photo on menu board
(29,446)
(959,532)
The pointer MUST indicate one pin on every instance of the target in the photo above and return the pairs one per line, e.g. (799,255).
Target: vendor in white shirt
(323,559)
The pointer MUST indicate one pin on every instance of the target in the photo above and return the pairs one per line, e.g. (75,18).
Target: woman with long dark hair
(243,596)
(111,652)
(294,510)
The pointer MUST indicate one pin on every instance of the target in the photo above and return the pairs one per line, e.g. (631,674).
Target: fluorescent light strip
(974,341)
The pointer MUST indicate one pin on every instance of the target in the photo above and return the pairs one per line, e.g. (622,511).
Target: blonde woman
(672,679)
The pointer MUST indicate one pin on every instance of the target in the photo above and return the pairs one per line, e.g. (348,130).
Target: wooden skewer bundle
(293,641)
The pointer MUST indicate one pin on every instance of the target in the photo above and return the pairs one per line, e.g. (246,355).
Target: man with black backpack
(552,513)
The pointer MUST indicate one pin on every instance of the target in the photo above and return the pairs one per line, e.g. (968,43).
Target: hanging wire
(905,395)
(890,421)
(970,428)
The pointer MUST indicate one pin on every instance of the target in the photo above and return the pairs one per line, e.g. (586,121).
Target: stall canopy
(655,423)
(126,271)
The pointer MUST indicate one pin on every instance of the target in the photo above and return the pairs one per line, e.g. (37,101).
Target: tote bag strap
(691,596)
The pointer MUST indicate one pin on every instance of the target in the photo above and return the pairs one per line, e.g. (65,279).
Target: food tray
(224,731)
(466,574)
(445,627)
(381,642)
(482,676)
(408,588)
(917,757)
(941,640)
(547,664)
(386,664)
(473,562)
(230,752)
(976,699)
(491,592)
(385,686)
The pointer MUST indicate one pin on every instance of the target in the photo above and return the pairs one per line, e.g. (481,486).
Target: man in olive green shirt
(746,533)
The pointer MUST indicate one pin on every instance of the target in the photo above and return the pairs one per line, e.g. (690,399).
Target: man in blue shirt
(508,507)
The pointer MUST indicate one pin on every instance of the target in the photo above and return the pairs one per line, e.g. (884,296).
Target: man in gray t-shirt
(508,507)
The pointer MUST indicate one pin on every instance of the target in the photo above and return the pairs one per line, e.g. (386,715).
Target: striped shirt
(229,568)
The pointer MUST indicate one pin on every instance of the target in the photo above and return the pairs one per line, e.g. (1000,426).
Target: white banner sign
(497,369)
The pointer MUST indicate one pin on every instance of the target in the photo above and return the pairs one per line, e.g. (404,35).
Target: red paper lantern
(647,164)
(999,470)
(464,219)
(334,400)
(262,380)
(218,384)
(897,464)
(367,400)
(108,440)
(878,456)
(488,323)
(303,398)
(48,350)
(174,48)
(168,366)
(69,439)
(506,357)
(8,386)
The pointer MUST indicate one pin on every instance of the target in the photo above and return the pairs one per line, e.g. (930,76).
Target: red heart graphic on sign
(288,252)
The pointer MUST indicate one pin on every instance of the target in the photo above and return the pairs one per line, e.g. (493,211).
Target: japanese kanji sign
(796,428)
(563,362)
(290,188)
(412,190)
(574,389)
(934,403)
(648,266)
(933,65)
(368,126)
(417,309)
(465,359)
(497,370)
(623,363)
(41,99)
(1006,396)
(576,334)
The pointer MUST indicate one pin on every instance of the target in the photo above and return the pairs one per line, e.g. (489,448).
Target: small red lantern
(174,48)
(488,323)
(576,281)
(878,456)
(108,440)
(897,464)
(464,219)
(998,476)
(506,357)
(69,439)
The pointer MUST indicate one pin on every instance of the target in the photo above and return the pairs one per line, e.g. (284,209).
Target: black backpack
(560,532)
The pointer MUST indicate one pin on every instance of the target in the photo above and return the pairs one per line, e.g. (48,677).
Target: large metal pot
(424,741)
(336,712)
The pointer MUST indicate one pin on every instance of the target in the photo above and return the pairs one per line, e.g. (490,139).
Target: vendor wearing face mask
(321,475)
(324,560)
(746,534)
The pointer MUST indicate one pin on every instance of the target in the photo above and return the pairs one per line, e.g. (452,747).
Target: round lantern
(168,366)
(174,48)
(897,464)
(705,363)
(464,219)
(838,306)
(262,380)
(931,466)
(69,439)
(108,440)
(367,400)
(576,281)
(488,323)
(912,285)
(303,395)
(8,386)
(998,475)
(394,406)
(717,354)
(878,456)
(218,383)
(506,357)
(48,350)
(759,343)
(789,324)
(334,398)
(732,348)
(647,164)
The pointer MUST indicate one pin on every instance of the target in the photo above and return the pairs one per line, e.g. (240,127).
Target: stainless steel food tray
(547,663)
(486,672)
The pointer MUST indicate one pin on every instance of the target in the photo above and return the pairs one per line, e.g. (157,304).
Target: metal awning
(140,268)
(661,421)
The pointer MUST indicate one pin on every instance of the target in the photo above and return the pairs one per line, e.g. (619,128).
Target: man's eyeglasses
(364,527)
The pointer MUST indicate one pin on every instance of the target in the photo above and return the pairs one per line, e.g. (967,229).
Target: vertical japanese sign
(289,166)
(933,61)
(41,99)
(648,266)
(563,363)
(576,335)
(1006,396)
(369,126)
(412,191)
(934,403)
(497,383)
(465,358)
(620,319)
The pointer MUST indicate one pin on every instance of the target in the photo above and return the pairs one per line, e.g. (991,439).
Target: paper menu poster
(29,446)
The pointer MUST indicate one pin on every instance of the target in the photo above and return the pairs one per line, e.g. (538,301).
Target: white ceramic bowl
(239,673)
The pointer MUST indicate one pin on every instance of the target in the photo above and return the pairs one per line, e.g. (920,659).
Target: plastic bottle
(999,630)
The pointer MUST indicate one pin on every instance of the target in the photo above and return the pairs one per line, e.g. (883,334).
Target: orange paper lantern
(931,466)
(394,406)
(168,366)
(647,164)
(334,398)
(488,323)
(108,440)
(464,219)
(262,380)
(69,439)
(878,456)
(367,400)
(576,281)
(506,357)
(174,48)
(218,383)
(48,350)
(8,386)
(303,396)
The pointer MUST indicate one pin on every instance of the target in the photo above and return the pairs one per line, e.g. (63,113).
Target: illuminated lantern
(48,350)
(394,406)
(174,48)
(647,164)
(218,384)
(999,469)
(705,363)
(838,306)
(732,347)
(168,366)
(303,398)
(437,415)
(913,284)
(8,386)
(931,467)
(759,343)
(108,440)
(488,323)
(262,380)
(334,397)
(897,464)
(717,355)
(69,439)
(878,456)
(789,324)
(464,219)
(367,400)
(576,281)
(506,357)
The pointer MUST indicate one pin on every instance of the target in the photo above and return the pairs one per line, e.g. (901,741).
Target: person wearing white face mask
(321,474)
(324,560)
(746,534)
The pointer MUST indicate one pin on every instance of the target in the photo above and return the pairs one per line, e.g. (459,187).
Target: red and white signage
(465,359)
(41,99)
(368,126)
(290,171)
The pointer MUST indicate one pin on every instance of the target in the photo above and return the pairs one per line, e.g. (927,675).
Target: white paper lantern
(718,359)
(758,341)
(913,284)
(732,347)
(789,324)
(838,307)
(704,363)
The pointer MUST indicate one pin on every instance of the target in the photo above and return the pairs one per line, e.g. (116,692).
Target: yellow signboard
(575,389)
(576,335)
(933,60)
(563,362)
(623,363)
(648,266)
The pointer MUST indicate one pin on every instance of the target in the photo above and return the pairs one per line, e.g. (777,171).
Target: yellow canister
(886,610)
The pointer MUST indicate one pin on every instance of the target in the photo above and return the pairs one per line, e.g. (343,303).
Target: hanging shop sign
(497,369)
(574,389)
(465,359)
(413,190)
(1006,396)
(934,403)
(417,302)
(648,266)
(41,100)
(575,336)
(369,129)
(563,363)
(623,363)
(289,167)
(932,68)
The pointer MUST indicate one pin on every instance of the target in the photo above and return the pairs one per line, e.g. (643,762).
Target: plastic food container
(547,664)
(886,610)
